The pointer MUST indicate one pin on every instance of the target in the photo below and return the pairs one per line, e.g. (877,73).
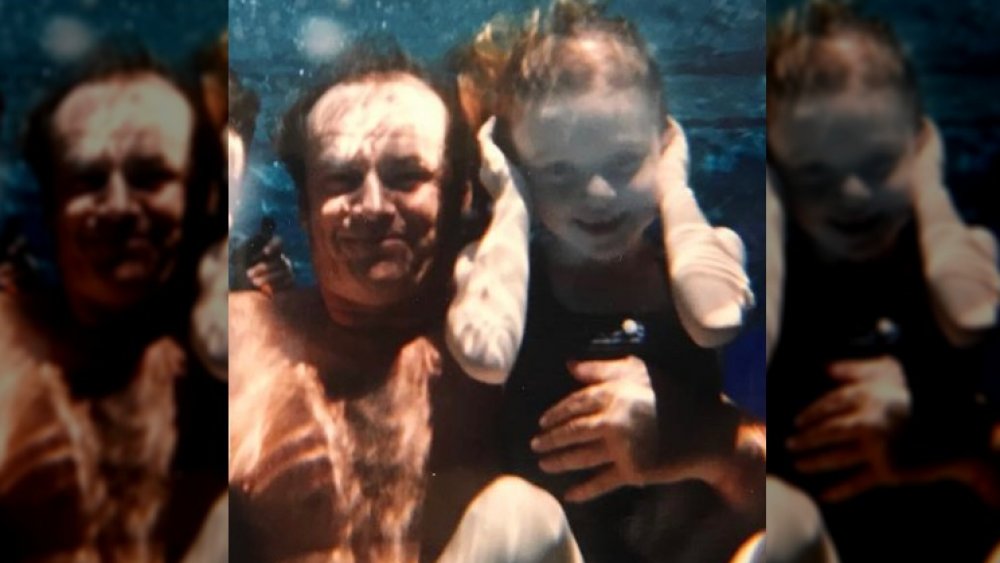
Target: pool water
(711,54)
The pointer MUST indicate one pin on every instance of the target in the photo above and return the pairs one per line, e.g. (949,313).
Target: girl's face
(590,162)
(846,163)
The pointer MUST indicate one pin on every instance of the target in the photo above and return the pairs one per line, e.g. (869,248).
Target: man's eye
(404,180)
(343,180)
(149,177)
(90,180)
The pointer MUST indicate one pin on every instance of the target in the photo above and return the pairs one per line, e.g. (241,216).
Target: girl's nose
(599,190)
(855,190)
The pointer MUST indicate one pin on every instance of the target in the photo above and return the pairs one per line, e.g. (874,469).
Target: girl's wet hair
(573,48)
(808,54)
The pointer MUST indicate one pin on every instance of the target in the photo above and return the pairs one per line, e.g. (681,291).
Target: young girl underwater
(884,294)
(614,383)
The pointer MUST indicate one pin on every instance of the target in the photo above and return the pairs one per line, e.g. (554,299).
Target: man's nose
(373,200)
(117,196)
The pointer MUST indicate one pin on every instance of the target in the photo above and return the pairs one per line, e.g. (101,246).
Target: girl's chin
(857,249)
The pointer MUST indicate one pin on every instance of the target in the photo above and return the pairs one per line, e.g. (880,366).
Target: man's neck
(412,312)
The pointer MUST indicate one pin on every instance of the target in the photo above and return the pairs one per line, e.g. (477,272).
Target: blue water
(955,48)
(713,62)
(711,53)
(35,43)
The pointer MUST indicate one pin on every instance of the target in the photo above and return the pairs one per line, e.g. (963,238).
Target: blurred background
(711,54)
(40,40)
(955,48)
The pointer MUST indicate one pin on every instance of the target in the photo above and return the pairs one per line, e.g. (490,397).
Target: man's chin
(131,281)
(387,284)
(388,274)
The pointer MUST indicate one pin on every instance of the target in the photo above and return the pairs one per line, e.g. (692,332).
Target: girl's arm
(486,318)
(705,263)
(775,278)
(960,262)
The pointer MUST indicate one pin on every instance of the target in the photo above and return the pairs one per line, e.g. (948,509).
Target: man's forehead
(399,111)
(142,111)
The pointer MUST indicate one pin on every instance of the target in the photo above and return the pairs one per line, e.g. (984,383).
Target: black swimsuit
(835,312)
(652,524)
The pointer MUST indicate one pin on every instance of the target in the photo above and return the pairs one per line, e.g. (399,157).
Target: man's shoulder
(267,332)
(23,328)
(252,303)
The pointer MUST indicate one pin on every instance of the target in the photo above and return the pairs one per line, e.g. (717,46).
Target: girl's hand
(705,263)
(496,172)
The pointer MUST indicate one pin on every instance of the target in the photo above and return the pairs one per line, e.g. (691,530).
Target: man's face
(122,162)
(373,181)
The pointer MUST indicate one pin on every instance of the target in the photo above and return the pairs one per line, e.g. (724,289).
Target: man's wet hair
(806,56)
(380,58)
(244,106)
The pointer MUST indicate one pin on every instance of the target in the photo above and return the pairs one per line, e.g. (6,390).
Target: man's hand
(273,272)
(610,425)
(852,426)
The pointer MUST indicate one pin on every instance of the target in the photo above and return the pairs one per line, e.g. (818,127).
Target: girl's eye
(557,170)
(556,174)
(625,166)
(815,177)
(877,173)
